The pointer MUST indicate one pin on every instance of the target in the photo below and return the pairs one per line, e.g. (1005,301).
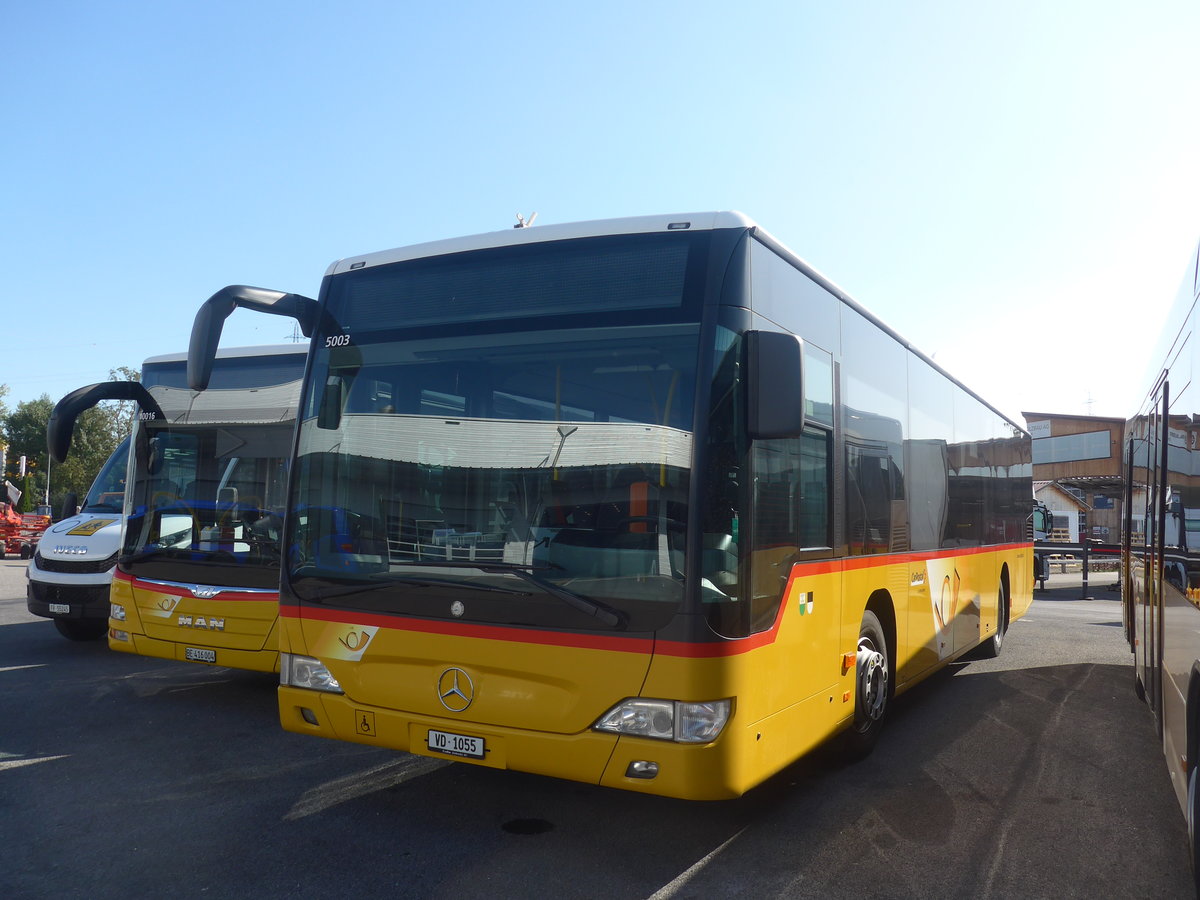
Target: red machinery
(22,538)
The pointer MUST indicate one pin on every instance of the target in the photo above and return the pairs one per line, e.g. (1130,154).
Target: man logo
(201,622)
(455,689)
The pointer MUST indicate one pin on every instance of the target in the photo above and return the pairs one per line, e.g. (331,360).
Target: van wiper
(613,618)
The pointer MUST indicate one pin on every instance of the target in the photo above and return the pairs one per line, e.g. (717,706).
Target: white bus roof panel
(705,221)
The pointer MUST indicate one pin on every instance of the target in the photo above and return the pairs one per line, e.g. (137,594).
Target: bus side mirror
(329,413)
(62,418)
(210,319)
(774,385)
(70,504)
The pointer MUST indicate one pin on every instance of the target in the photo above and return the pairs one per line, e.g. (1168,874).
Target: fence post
(1084,595)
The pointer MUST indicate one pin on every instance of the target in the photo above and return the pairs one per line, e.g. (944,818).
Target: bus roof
(300,349)
(705,221)
(696,221)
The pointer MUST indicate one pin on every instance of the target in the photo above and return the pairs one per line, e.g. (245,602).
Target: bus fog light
(118,635)
(306,672)
(308,715)
(116,611)
(667,720)
(642,768)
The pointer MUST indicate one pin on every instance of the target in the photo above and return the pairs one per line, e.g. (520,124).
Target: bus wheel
(81,629)
(1193,814)
(993,646)
(871,688)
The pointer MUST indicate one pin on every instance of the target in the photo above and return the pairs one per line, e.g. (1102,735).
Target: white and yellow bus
(197,577)
(1161,548)
(648,503)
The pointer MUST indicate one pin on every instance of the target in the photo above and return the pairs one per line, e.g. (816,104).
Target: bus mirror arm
(775,385)
(62,418)
(210,319)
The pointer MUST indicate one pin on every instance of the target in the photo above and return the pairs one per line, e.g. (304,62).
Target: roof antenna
(522,222)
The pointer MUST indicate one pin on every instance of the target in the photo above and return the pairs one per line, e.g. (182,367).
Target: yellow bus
(1161,548)
(647,503)
(197,576)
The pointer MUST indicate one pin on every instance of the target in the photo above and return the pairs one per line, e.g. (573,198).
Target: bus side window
(791,504)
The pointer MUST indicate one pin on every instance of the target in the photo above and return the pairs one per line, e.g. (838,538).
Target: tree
(25,435)
(123,412)
(97,433)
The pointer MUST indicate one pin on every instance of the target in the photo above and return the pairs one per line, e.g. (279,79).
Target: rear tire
(81,629)
(872,688)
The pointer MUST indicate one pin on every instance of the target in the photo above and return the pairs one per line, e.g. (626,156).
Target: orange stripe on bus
(648,644)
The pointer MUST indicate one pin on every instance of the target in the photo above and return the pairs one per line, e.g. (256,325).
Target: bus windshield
(210,499)
(107,493)
(209,487)
(484,469)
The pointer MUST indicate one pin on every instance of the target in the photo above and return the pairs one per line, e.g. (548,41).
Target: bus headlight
(667,720)
(116,611)
(306,672)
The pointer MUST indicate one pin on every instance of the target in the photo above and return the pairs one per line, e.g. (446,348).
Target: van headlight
(306,672)
(667,720)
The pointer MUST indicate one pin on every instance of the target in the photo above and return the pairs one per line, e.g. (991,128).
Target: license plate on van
(60,609)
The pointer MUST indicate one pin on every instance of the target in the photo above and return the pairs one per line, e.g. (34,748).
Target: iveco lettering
(647,503)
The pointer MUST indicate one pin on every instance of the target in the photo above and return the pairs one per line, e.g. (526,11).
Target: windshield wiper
(334,593)
(145,553)
(611,617)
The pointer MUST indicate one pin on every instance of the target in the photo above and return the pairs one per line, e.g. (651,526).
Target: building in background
(1080,457)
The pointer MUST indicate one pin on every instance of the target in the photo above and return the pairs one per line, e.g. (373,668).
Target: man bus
(198,574)
(648,503)
(1161,549)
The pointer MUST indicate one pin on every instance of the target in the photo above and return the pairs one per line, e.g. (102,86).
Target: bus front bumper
(695,772)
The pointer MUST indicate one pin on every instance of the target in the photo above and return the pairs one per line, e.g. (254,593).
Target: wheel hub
(872,681)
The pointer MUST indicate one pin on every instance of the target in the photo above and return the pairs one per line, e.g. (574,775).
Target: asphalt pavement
(1036,774)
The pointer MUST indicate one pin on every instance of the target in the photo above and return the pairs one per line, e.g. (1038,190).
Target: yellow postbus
(197,577)
(1161,549)
(648,503)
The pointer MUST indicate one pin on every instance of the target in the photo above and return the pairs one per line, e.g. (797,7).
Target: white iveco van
(70,573)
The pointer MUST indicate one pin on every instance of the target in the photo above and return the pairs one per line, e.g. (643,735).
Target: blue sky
(1014,187)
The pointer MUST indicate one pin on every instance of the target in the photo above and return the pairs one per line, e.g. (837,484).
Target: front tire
(1193,823)
(872,688)
(992,646)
